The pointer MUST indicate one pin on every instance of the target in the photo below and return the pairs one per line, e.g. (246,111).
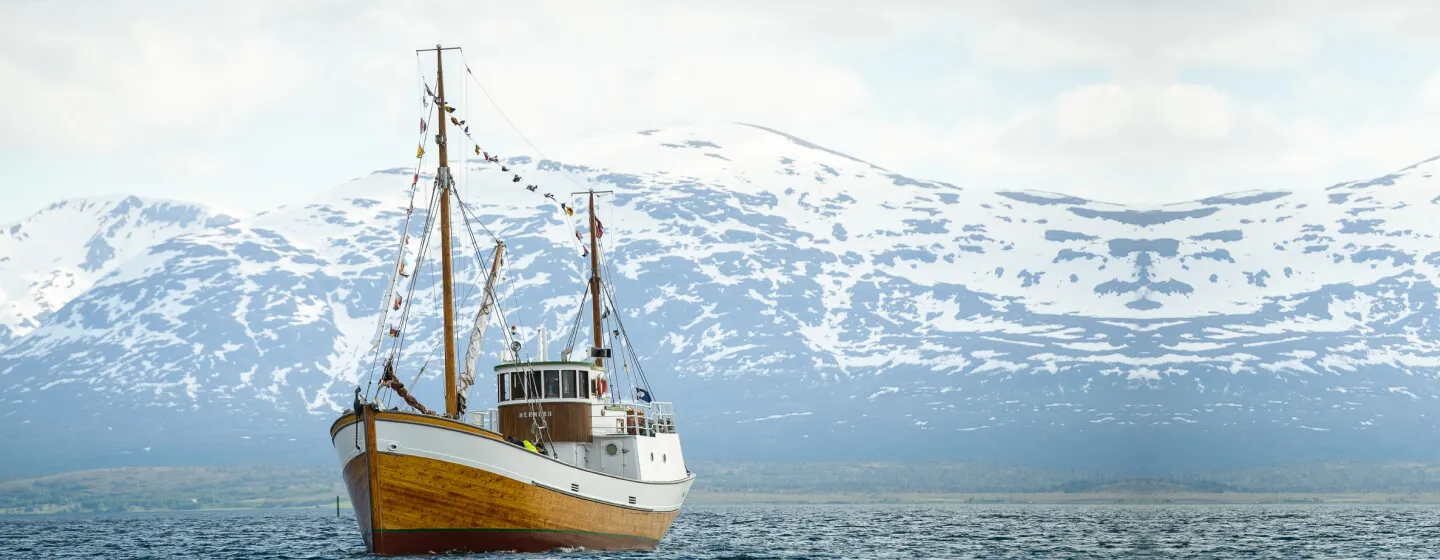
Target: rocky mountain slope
(796,302)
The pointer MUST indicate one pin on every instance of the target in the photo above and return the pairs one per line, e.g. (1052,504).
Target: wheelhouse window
(567,381)
(552,383)
(502,391)
(517,385)
(532,385)
(582,384)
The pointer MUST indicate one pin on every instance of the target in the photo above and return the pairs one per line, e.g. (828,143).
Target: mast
(595,282)
(443,177)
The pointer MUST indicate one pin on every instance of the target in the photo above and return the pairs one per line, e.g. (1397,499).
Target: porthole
(652,457)
(662,458)
(611,449)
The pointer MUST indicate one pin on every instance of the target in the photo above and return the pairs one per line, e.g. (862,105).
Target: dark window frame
(517,386)
(533,387)
(567,384)
(551,376)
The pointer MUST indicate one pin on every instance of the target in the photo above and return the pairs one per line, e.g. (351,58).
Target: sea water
(799,532)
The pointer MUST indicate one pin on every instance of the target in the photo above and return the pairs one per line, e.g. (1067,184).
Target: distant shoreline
(260,487)
(704,498)
(344,507)
(1096,498)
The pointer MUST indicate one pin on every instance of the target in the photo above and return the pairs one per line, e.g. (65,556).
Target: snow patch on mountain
(58,253)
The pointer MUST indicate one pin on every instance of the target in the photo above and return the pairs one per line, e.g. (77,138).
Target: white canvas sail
(477,332)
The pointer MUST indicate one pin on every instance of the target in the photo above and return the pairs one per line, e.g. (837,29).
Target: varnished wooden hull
(409,504)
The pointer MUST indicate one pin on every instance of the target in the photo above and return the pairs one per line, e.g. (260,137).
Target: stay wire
(609,290)
(469,216)
(426,238)
(404,230)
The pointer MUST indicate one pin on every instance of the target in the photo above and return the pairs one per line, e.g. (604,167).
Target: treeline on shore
(172,488)
(989,478)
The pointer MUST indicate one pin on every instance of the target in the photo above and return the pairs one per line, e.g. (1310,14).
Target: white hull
(505,459)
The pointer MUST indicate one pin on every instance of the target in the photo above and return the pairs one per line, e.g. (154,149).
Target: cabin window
(517,385)
(501,389)
(567,384)
(582,384)
(552,384)
(532,385)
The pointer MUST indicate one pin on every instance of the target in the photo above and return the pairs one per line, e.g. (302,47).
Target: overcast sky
(249,105)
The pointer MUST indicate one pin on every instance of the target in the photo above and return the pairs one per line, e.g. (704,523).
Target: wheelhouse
(548,381)
(548,401)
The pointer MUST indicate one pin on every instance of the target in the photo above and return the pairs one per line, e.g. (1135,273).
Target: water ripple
(799,533)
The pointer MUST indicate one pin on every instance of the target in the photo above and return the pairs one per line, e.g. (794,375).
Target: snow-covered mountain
(794,301)
(59,252)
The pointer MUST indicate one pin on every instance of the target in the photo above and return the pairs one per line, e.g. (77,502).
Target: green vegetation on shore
(985,478)
(171,488)
(257,487)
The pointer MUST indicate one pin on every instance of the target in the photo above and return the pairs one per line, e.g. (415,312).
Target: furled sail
(477,334)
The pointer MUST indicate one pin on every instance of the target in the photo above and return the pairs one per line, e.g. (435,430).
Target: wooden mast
(595,281)
(443,174)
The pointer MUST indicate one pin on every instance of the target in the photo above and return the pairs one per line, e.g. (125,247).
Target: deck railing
(638,419)
(662,417)
(486,419)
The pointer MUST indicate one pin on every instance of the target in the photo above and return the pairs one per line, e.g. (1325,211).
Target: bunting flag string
(405,237)
(566,210)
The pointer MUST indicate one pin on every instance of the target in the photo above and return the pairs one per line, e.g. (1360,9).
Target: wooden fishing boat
(563,461)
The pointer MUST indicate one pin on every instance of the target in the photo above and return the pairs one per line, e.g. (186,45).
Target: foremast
(445,183)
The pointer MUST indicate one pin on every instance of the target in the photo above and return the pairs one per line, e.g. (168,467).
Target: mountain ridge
(795,300)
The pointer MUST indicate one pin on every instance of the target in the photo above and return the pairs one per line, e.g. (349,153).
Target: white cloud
(106,79)
(1120,101)
(1431,94)
(1093,112)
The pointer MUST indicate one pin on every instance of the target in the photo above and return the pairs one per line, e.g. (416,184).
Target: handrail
(662,417)
(638,419)
(485,419)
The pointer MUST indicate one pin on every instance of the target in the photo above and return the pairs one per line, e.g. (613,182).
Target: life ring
(602,387)
(632,423)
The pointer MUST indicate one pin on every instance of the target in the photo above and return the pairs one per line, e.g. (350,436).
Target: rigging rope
(467,216)
(575,327)
(404,233)
(435,287)
(409,300)
(609,291)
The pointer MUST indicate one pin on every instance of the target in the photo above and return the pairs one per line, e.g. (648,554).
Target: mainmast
(444,182)
(595,284)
